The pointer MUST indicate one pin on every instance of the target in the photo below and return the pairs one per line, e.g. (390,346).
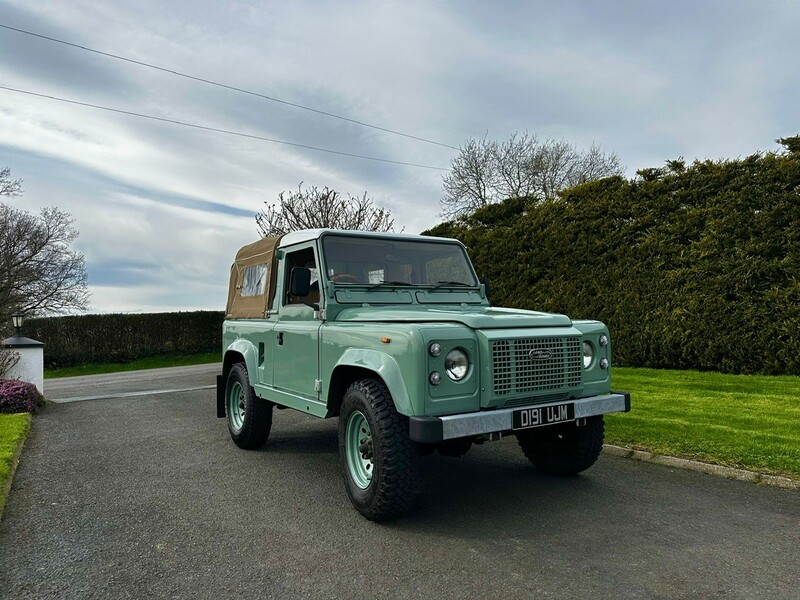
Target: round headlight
(588,354)
(456,363)
(435,378)
(603,363)
(603,340)
(435,349)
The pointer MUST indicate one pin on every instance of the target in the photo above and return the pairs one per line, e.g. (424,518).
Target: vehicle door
(296,332)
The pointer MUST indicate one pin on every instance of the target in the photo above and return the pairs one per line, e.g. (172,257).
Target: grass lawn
(746,421)
(153,362)
(13,429)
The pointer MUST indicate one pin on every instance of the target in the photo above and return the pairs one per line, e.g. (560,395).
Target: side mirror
(300,282)
(485,281)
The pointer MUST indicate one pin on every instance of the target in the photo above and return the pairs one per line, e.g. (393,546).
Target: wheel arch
(356,364)
(240,351)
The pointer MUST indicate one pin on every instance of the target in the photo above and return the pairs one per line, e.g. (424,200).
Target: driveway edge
(696,465)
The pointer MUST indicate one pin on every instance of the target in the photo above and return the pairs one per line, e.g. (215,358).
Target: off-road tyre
(250,425)
(392,484)
(564,449)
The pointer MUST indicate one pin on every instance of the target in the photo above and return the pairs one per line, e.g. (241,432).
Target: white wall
(30,367)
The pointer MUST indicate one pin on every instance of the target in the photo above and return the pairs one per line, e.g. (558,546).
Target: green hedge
(80,340)
(691,267)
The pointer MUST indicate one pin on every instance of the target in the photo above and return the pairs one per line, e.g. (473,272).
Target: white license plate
(538,416)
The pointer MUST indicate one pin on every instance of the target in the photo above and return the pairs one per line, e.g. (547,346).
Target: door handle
(280,338)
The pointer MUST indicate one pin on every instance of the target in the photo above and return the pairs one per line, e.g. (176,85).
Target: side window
(254,280)
(302,258)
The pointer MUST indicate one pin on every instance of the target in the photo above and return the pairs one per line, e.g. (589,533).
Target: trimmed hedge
(692,267)
(116,338)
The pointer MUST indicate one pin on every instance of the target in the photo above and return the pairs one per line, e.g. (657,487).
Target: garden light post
(16,320)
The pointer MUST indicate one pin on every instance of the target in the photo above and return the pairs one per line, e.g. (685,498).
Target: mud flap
(220,397)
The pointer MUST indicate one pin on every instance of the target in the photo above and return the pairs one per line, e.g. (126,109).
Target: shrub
(691,266)
(116,338)
(19,396)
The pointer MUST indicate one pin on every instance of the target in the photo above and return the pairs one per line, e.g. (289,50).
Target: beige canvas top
(253,278)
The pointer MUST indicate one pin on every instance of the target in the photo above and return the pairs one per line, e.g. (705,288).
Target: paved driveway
(146,496)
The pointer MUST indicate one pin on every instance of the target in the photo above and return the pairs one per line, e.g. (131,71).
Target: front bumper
(432,430)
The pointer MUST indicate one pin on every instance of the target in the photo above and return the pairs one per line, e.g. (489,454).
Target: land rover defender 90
(394,335)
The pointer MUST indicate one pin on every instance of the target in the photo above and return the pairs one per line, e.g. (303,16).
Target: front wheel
(378,458)
(249,417)
(564,449)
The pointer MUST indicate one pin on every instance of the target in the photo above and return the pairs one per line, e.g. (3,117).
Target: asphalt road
(146,496)
(132,383)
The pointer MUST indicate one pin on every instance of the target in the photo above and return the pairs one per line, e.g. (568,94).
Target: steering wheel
(345,277)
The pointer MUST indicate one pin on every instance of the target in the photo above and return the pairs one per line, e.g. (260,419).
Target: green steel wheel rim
(236,405)
(359,449)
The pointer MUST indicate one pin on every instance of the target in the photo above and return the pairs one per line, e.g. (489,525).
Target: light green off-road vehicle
(394,335)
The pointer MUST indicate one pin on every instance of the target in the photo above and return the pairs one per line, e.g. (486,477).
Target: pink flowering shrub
(19,396)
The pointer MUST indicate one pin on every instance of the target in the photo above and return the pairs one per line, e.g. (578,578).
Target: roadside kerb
(696,465)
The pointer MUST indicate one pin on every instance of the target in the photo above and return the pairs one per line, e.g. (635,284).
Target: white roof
(305,235)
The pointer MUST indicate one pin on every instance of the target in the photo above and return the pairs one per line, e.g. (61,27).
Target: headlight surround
(588,354)
(456,364)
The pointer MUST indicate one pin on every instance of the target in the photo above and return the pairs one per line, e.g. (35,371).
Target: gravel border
(696,465)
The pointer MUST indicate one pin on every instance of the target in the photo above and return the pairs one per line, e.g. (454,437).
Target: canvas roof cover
(253,278)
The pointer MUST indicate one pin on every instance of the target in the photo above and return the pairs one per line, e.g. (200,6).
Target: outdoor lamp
(16,320)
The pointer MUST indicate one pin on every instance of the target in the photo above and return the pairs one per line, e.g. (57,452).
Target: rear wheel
(564,449)
(379,460)
(249,417)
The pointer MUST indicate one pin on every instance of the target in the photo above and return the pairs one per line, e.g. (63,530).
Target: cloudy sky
(162,209)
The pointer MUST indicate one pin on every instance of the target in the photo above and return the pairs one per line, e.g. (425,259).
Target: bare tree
(486,171)
(39,272)
(9,187)
(312,208)
(8,360)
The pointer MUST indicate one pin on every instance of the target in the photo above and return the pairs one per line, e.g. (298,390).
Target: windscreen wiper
(382,283)
(452,283)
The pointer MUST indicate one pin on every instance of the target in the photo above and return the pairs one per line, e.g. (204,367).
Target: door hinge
(318,385)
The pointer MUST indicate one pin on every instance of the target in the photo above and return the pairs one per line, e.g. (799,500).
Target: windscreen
(365,261)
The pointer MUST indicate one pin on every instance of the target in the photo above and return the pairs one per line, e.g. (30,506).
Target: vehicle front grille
(557,363)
